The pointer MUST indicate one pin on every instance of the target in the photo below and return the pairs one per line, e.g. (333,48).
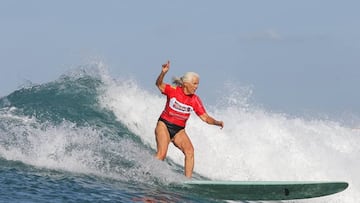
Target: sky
(294,56)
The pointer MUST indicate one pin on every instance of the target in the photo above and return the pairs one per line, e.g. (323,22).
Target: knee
(189,151)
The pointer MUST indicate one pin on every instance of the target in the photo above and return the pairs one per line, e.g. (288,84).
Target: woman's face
(191,87)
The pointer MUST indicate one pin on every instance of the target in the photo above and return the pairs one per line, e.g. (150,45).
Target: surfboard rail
(264,190)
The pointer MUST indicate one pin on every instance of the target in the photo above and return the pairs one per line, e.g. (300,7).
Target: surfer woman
(181,100)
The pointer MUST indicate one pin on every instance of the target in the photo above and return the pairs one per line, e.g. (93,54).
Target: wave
(88,122)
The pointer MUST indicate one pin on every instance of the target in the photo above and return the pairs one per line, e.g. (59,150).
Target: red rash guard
(179,105)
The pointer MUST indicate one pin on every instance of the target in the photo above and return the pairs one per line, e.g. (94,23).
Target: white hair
(188,77)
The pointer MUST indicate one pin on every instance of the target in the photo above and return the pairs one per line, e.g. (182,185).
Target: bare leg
(162,140)
(183,142)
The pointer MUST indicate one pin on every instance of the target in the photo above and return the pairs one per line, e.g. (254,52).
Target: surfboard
(263,190)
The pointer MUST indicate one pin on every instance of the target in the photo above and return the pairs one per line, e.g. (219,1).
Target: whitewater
(88,136)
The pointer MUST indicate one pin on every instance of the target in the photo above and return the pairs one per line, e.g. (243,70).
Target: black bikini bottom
(172,128)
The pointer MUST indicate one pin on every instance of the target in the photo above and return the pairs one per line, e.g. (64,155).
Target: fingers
(221,124)
(166,65)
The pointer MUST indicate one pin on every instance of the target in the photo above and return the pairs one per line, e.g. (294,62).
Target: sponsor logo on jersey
(179,107)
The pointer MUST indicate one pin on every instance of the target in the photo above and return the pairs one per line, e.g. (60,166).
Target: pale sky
(296,56)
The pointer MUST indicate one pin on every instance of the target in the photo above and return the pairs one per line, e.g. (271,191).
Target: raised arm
(159,81)
(210,120)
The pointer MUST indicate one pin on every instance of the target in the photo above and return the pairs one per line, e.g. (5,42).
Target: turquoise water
(88,137)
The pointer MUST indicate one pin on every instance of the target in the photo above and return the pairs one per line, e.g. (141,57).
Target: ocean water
(89,137)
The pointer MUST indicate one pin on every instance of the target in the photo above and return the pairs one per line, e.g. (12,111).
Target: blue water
(88,137)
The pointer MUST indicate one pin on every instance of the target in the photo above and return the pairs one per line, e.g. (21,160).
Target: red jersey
(179,105)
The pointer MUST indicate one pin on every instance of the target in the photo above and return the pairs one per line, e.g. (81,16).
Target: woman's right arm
(160,80)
